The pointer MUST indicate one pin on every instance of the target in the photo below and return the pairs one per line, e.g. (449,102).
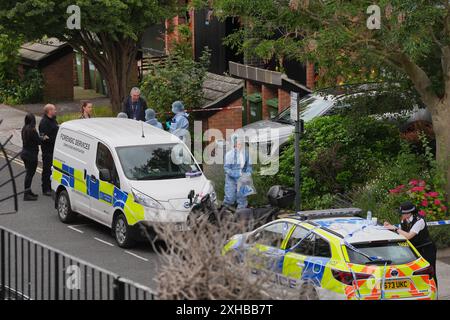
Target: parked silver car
(271,135)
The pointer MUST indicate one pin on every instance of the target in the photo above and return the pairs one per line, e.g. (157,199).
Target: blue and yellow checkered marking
(100,190)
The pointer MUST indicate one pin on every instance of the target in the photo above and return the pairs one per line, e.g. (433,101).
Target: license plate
(181,227)
(396,284)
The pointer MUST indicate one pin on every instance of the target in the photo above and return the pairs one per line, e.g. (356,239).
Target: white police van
(123,173)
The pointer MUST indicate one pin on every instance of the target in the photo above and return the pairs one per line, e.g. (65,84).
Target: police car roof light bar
(329,213)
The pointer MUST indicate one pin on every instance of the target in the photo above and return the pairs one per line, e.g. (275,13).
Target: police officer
(414,228)
(48,127)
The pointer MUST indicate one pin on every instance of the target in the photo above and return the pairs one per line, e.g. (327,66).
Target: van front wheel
(123,232)
(65,213)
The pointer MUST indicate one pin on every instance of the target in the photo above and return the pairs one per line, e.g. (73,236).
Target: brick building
(55,60)
(261,97)
(222,108)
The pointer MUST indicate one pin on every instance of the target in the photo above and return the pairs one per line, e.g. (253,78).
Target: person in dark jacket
(134,106)
(414,228)
(29,155)
(48,127)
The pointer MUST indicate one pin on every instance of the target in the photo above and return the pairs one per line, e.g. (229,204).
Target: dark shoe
(47,193)
(29,197)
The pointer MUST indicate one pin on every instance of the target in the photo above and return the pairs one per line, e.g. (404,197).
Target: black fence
(33,271)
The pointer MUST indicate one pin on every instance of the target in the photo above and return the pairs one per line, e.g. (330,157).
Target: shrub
(9,57)
(179,78)
(406,171)
(27,90)
(431,204)
(337,154)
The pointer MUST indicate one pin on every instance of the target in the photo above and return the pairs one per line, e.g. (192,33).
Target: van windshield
(157,162)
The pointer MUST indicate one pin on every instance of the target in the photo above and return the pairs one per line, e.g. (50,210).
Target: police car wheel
(123,232)
(65,213)
(308,292)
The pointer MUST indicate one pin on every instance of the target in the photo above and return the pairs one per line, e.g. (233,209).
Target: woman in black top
(29,155)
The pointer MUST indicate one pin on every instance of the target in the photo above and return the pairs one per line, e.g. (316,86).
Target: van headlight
(145,200)
(209,189)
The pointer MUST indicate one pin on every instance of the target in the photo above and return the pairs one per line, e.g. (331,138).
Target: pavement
(13,121)
(92,242)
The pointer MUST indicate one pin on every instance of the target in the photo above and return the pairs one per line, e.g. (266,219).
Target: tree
(413,43)
(9,57)
(180,77)
(109,36)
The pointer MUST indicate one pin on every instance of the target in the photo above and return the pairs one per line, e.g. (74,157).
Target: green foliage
(9,56)
(179,78)
(98,112)
(26,90)
(388,188)
(112,19)
(110,33)
(337,154)
(335,35)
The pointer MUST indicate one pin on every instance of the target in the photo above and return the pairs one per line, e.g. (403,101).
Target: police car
(335,254)
(122,173)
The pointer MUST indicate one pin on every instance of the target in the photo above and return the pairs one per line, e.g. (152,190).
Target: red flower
(394,191)
(424,203)
(444,208)
(422,183)
(418,189)
(400,187)
(413,183)
(422,213)
(437,202)
(433,194)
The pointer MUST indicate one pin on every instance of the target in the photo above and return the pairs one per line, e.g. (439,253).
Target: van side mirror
(105,175)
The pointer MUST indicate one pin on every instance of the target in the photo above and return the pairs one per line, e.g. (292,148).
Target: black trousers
(428,252)
(30,168)
(47,160)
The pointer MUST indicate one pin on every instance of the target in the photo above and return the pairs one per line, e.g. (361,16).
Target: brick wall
(227,119)
(310,75)
(284,100)
(267,93)
(58,79)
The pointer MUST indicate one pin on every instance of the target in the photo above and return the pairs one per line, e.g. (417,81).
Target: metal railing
(30,270)
(11,177)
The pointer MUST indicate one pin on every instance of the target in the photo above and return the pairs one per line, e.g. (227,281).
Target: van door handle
(85,174)
(300,264)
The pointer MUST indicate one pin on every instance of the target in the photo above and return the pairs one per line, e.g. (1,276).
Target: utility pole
(295,115)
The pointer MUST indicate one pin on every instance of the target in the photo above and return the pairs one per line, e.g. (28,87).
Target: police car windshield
(395,252)
(156,162)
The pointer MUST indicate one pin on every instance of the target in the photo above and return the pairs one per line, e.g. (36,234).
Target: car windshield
(311,106)
(396,252)
(156,162)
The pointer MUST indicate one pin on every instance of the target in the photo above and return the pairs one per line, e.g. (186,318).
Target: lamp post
(299,128)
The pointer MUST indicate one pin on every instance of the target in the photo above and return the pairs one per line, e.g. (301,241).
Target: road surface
(83,239)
